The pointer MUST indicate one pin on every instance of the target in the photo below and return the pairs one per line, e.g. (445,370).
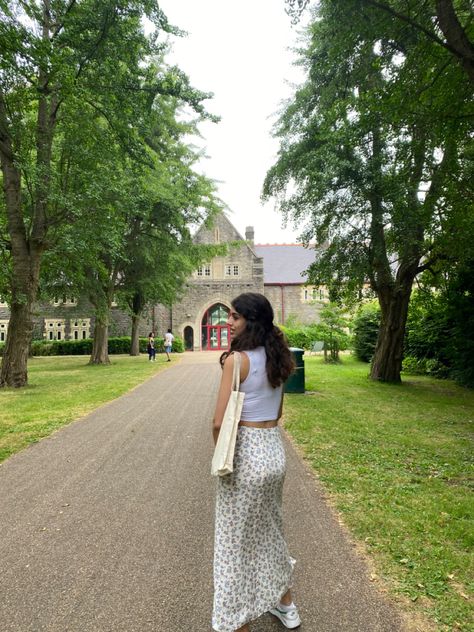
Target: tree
(373,158)
(332,331)
(454,20)
(160,253)
(54,56)
(132,243)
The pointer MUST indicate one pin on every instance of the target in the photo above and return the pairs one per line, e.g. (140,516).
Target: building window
(3,330)
(311,293)
(232,269)
(54,329)
(80,328)
(67,301)
(217,237)
(204,271)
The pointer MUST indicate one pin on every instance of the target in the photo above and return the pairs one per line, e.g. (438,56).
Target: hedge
(84,347)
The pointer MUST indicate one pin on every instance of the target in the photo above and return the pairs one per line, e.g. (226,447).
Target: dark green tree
(447,23)
(373,158)
(55,56)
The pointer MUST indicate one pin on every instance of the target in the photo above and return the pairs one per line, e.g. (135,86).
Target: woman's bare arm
(223,395)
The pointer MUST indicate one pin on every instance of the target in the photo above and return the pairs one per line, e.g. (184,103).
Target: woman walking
(252,565)
(151,346)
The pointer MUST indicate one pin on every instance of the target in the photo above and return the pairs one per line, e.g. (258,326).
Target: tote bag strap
(236,375)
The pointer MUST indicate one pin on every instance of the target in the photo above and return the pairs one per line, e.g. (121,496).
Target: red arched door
(214,329)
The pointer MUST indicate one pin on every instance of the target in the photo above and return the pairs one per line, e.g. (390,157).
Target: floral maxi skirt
(252,566)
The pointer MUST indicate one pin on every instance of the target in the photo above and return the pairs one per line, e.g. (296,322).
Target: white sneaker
(289,618)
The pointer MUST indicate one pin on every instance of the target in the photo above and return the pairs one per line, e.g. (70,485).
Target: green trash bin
(295,383)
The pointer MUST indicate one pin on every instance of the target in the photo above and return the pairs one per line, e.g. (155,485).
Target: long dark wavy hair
(261,332)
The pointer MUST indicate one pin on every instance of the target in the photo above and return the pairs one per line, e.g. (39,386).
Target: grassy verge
(63,388)
(397,461)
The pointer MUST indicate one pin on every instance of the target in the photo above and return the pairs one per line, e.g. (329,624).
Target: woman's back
(262,401)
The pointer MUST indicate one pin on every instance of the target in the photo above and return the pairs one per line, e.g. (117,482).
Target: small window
(204,270)
(80,328)
(232,269)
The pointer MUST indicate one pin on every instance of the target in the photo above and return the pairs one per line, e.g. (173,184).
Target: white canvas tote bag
(223,459)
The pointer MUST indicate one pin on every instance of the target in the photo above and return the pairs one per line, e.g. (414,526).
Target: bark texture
(135,342)
(388,355)
(100,351)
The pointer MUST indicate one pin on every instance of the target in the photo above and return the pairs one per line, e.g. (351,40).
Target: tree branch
(405,18)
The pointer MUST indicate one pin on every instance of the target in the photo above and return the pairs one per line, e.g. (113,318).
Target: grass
(61,389)
(397,462)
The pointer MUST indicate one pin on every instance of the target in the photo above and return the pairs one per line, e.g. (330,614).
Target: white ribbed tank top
(262,401)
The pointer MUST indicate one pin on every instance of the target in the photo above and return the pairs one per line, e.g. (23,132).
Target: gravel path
(107,526)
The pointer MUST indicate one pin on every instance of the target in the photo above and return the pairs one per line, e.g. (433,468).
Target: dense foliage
(375,155)
(98,182)
(365,327)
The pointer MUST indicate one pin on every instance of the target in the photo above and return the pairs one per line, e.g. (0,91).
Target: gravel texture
(107,525)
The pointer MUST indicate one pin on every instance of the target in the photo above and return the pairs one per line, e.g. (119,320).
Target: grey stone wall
(288,301)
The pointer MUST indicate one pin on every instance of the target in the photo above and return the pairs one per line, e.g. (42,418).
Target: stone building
(277,271)
(199,315)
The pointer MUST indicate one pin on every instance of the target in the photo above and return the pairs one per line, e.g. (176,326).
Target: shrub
(299,338)
(119,344)
(366,328)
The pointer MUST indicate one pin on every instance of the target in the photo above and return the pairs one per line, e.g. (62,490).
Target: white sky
(239,51)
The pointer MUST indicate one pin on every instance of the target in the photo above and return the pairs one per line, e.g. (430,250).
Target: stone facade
(215,283)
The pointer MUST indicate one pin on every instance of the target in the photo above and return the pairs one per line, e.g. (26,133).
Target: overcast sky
(239,51)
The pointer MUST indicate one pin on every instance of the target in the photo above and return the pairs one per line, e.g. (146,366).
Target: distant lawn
(61,389)
(397,461)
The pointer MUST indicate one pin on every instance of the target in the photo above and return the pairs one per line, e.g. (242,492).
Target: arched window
(214,328)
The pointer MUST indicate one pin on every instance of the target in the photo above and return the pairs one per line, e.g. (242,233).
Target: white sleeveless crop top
(262,401)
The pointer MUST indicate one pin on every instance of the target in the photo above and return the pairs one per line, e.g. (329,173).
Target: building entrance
(214,329)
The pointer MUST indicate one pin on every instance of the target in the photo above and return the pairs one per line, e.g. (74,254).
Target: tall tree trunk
(388,355)
(27,246)
(137,305)
(15,357)
(26,256)
(100,352)
(135,342)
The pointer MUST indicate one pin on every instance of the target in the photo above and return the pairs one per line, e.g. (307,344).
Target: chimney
(249,234)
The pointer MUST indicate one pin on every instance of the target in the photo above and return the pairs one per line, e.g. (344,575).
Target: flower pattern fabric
(252,566)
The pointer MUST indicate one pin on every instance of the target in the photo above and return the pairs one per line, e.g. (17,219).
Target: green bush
(299,338)
(425,366)
(366,328)
(119,344)
(61,347)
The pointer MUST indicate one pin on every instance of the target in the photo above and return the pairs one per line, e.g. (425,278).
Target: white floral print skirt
(252,566)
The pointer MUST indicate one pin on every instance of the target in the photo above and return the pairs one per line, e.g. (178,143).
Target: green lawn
(61,389)
(397,461)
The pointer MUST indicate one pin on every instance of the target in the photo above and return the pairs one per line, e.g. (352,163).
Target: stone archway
(214,328)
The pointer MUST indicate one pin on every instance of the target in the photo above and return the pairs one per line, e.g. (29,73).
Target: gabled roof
(285,263)
(205,234)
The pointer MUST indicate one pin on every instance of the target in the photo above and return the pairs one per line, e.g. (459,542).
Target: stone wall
(288,301)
